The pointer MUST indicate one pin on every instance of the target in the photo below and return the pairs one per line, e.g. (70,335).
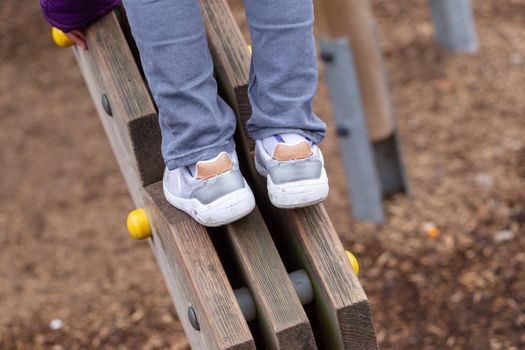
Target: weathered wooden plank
(306,239)
(286,328)
(118,142)
(191,268)
(343,316)
(333,275)
(128,95)
(175,233)
(195,277)
(237,334)
(280,315)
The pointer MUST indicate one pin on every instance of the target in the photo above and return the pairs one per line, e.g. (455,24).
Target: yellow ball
(60,38)
(138,224)
(353,260)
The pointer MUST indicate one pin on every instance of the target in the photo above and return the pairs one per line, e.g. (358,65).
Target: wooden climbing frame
(207,269)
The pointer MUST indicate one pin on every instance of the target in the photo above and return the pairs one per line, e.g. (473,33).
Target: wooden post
(353,19)
(370,150)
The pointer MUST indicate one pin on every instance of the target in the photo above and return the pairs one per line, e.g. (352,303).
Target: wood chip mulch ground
(447,271)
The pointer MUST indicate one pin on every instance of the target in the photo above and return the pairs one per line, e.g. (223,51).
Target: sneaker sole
(296,194)
(225,210)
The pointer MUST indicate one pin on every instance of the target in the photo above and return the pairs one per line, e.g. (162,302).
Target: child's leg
(202,176)
(283,82)
(283,76)
(196,124)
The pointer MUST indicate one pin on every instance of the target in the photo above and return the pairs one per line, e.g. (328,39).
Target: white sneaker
(213,192)
(294,169)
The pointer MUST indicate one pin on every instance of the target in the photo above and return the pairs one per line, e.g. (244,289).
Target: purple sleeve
(67,15)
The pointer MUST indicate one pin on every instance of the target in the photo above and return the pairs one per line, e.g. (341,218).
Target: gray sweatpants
(196,123)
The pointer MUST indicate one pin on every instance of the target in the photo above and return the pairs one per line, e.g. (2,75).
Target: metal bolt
(106,105)
(342,131)
(327,57)
(193,319)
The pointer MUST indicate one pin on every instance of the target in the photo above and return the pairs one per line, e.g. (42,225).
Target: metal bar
(454,25)
(358,157)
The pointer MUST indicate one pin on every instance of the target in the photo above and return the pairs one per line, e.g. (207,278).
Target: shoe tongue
(206,169)
(286,147)
(284,152)
(271,142)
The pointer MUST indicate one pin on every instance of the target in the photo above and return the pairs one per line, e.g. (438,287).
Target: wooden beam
(306,239)
(186,256)
(333,277)
(108,67)
(113,127)
(131,104)
(353,19)
(195,277)
(183,248)
(343,317)
(280,315)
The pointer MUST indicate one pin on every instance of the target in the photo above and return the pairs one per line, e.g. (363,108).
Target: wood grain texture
(195,277)
(132,107)
(333,275)
(226,327)
(190,265)
(191,268)
(343,315)
(119,142)
(280,315)
(306,239)
(353,19)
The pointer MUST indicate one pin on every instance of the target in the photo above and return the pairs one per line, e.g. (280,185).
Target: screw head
(327,57)
(342,131)
(106,105)
(193,319)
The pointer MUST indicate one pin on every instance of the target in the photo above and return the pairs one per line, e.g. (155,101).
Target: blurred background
(72,278)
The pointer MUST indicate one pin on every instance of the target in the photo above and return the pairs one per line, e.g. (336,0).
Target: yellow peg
(353,260)
(138,224)
(60,38)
